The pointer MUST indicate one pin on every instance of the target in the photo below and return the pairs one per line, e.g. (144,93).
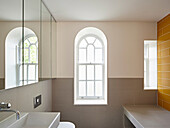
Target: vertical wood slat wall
(163,37)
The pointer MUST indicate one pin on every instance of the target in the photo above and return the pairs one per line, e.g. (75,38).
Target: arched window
(29,60)
(21,58)
(90,85)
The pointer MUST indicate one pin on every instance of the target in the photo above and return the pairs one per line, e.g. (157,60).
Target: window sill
(90,102)
(150,88)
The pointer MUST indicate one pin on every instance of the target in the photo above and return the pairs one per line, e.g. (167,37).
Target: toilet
(66,125)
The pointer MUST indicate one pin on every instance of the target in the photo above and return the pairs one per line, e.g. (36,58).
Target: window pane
(26,57)
(146,51)
(82,88)
(25,72)
(20,72)
(98,72)
(90,40)
(90,72)
(83,44)
(82,72)
(33,54)
(37,73)
(31,72)
(98,88)
(26,44)
(90,88)
(90,53)
(98,55)
(152,72)
(32,39)
(20,83)
(98,44)
(82,55)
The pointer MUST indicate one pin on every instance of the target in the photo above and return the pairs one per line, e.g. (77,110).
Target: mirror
(10,37)
(46,69)
(25,43)
(31,42)
(53,50)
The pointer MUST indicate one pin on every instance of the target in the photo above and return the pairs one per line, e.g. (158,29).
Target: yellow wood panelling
(164,97)
(160,33)
(163,53)
(164,45)
(164,37)
(164,22)
(160,88)
(164,67)
(158,54)
(165,75)
(166,90)
(164,60)
(166,29)
(166,105)
(163,82)
(160,102)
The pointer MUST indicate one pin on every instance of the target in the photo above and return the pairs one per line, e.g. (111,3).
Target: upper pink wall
(125,46)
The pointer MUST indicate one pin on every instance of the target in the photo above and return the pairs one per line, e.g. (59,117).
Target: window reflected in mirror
(29,61)
(21,58)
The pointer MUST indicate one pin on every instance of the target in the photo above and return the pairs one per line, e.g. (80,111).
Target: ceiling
(11,10)
(108,10)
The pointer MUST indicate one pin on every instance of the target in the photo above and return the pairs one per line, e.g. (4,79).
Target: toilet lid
(66,125)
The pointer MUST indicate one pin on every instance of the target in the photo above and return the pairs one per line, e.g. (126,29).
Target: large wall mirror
(25,43)
(46,43)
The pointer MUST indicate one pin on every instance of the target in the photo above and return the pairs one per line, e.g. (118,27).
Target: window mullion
(36,53)
(94,80)
(29,54)
(77,65)
(103,80)
(94,71)
(78,79)
(103,74)
(86,80)
(27,73)
(35,72)
(86,66)
(148,66)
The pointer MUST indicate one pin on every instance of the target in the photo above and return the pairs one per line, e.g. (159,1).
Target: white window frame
(90,100)
(147,85)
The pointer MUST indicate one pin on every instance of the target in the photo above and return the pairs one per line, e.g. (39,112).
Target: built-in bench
(147,116)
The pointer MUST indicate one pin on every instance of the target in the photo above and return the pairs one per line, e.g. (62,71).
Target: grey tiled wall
(21,98)
(2,83)
(120,91)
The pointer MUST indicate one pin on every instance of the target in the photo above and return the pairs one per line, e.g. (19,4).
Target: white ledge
(150,88)
(90,102)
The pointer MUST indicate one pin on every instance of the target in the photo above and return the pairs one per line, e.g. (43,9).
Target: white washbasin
(33,120)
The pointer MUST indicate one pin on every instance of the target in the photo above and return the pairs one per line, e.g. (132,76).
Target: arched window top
(91,31)
(90,39)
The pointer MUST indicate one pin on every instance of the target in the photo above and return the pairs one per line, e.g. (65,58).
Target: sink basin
(8,119)
(33,120)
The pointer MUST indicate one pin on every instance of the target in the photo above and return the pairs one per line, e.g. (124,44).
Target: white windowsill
(150,88)
(90,102)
